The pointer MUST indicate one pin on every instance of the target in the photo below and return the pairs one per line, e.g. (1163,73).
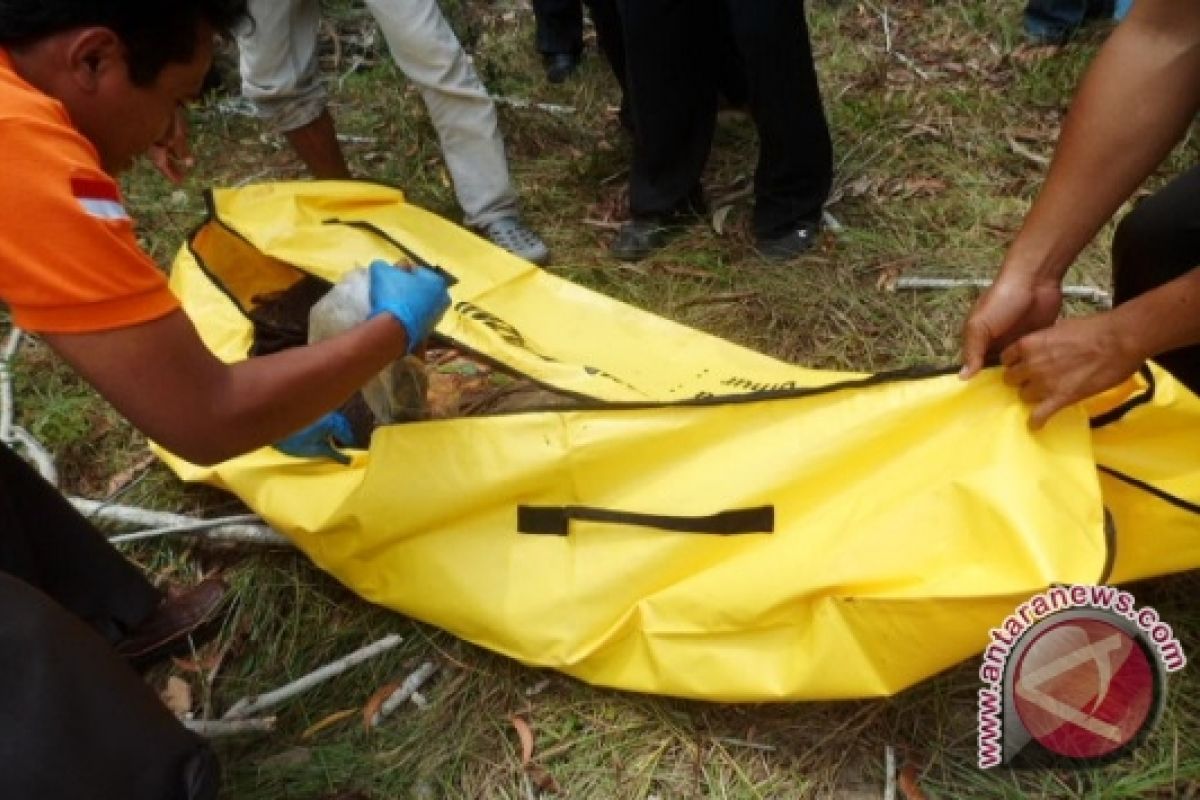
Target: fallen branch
(404,691)
(766,748)
(889,772)
(1022,150)
(832,223)
(1091,294)
(10,433)
(518,102)
(249,705)
(887,48)
(243,528)
(212,728)
(607,225)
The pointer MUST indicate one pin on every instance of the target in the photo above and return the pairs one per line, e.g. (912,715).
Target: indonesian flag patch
(99,198)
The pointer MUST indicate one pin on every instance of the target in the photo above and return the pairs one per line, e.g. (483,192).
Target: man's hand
(320,439)
(1070,362)
(1010,309)
(171,155)
(417,297)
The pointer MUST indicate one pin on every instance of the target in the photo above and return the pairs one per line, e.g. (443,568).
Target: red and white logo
(1075,674)
(1084,688)
(98,197)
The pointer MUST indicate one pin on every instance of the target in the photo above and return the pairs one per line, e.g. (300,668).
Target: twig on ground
(887,48)
(520,102)
(243,528)
(194,526)
(1024,151)
(766,748)
(719,298)
(602,223)
(11,433)
(1091,294)
(832,223)
(249,705)
(355,63)
(889,767)
(211,728)
(406,690)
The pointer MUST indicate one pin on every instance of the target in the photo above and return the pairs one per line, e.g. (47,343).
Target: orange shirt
(69,261)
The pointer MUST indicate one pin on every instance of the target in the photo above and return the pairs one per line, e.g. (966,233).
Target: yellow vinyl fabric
(708,522)
(1147,449)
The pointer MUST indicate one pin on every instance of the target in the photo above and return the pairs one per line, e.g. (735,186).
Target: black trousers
(1156,243)
(673,56)
(560,30)
(75,720)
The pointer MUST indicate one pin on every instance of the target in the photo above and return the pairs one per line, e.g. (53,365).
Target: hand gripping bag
(706,521)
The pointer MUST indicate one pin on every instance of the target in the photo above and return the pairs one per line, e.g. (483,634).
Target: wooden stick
(249,705)
(520,102)
(1090,293)
(889,768)
(10,433)
(405,691)
(243,528)
(211,728)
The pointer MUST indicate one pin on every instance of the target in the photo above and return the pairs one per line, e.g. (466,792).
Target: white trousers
(281,77)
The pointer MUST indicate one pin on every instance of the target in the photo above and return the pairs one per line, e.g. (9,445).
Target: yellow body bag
(708,522)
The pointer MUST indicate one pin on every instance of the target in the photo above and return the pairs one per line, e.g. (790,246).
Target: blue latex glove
(417,297)
(320,439)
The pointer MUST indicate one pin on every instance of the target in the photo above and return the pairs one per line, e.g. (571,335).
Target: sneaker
(639,238)
(514,237)
(794,243)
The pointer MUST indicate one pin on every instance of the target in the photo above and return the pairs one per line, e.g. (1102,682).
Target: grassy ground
(929,181)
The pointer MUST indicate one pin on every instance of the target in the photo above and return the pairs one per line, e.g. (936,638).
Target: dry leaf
(720,297)
(177,695)
(327,722)
(907,783)
(542,779)
(525,734)
(375,702)
(121,479)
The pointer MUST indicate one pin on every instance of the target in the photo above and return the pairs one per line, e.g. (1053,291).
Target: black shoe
(560,66)
(795,242)
(639,238)
(179,619)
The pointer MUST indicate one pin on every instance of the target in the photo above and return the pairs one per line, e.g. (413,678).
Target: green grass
(927,183)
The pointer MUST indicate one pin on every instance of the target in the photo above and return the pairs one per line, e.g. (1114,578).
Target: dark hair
(154,32)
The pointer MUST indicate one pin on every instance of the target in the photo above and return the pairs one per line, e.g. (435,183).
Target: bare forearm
(263,399)
(1161,320)
(163,379)
(1133,105)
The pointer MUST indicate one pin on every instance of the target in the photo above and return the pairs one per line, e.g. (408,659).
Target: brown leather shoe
(166,631)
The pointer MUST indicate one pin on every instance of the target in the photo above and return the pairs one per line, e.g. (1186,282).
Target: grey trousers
(281,77)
